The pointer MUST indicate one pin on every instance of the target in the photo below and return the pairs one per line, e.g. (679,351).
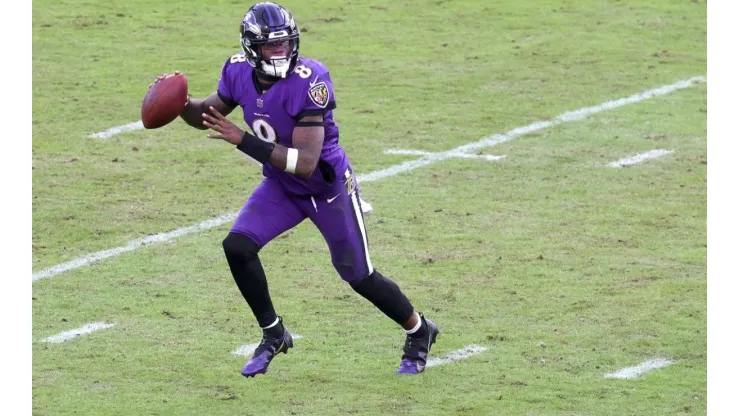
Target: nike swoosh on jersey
(330,200)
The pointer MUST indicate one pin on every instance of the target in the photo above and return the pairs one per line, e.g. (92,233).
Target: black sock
(422,331)
(275,331)
(386,296)
(241,253)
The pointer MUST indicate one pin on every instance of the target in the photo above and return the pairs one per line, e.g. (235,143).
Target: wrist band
(292,160)
(258,149)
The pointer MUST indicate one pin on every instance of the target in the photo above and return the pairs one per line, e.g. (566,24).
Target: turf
(564,268)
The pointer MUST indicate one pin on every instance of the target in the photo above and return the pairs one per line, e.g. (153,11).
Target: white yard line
(495,139)
(131,246)
(638,370)
(484,157)
(74,333)
(456,355)
(248,349)
(424,153)
(410,152)
(633,160)
(382,173)
(136,125)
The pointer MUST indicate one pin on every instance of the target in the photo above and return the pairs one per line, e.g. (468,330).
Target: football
(164,101)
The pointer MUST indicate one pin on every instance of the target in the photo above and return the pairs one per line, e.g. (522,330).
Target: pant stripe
(360,223)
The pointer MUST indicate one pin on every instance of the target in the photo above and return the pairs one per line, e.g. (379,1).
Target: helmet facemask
(271,64)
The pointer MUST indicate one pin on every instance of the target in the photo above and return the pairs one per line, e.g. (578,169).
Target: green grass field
(564,268)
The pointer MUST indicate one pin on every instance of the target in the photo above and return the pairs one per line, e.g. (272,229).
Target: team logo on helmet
(319,94)
(251,25)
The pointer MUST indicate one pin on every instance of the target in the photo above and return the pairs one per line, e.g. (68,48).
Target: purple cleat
(267,350)
(415,350)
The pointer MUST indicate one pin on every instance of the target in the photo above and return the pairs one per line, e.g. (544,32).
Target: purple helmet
(266,23)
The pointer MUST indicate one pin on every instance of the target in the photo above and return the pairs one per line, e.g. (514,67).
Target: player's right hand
(161,77)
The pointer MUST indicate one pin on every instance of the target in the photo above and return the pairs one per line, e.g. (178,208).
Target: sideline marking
(74,333)
(638,370)
(136,125)
(457,355)
(633,160)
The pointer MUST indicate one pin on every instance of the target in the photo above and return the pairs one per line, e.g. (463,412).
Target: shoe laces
(267,343)
(413,346)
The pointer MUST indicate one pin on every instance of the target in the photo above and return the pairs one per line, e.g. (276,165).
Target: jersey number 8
(239,57)
(303,71)
(264,130)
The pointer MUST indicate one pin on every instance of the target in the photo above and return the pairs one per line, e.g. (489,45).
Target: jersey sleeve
(317,97)
(225,88)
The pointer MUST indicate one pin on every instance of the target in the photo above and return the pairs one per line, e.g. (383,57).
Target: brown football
(164,101)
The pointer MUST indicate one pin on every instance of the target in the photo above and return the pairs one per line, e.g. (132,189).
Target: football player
(288,101)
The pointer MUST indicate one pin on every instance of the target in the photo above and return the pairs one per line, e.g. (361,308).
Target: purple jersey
(272,116)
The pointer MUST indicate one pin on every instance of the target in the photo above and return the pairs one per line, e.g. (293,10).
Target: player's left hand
(228,130)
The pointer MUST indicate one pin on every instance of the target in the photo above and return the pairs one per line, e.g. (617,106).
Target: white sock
(415,328)
(277,320)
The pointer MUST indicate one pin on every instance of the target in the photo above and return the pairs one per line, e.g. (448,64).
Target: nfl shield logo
(260,103)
